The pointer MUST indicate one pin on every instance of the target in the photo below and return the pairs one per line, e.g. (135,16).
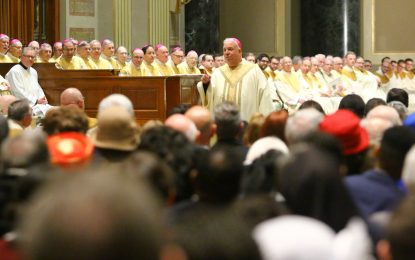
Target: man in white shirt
(24,83)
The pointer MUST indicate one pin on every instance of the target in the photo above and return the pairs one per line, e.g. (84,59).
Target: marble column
(159,22)
(330,27)
(202,26)
(122,18)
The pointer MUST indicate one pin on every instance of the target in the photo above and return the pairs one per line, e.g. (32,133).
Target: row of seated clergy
(143,63)
(326,86)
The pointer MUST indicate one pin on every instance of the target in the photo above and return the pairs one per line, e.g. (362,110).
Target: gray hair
(301,124)
(19,109)
(375,127)
(116,100)
(45,46)
(400,108)
(26,49)
(297,60)
(95,41)
(23,151)
(107,42)
(228,119)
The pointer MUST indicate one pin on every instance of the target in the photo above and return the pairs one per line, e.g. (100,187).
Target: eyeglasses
(29,56)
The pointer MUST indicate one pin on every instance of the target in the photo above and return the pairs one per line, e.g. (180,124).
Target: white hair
(387,113)
(116,100)
(302,123)
(375,127)
(262,146)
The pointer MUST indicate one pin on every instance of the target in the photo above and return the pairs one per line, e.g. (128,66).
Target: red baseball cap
(345,126)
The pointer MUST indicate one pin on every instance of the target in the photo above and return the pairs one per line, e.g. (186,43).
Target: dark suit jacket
(374,191)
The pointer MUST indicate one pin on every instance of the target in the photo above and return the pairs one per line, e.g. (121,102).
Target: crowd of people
(283,159)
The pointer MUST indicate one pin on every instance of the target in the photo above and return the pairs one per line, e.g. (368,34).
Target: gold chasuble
(270,73)
(5,59)
(184,69)
(349,73)
(163,68)
(290,89)
(173,66)
(13,59)
(132,70)
(75,63)
(119,65)
(102,64)
(244,85)
(111,60)
(384,79)
(90,65)
(149,69)
(350,82)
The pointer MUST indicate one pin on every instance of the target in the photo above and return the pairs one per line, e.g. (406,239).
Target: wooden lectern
(152,97)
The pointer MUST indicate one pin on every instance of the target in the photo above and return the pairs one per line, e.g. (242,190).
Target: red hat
(69,148)
(345,126)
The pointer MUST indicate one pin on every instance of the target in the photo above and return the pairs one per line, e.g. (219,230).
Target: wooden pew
(152,97)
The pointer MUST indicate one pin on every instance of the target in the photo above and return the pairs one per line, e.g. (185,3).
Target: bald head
(203,121)
(386,113)
(5,101)
(184,125)
(72,97)
(375,127)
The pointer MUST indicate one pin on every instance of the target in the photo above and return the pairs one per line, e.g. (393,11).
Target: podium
(152,97)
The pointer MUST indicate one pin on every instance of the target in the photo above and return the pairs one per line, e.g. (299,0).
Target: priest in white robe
(24,83)
(240,82)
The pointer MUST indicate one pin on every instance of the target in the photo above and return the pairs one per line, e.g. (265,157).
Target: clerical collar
(21,64)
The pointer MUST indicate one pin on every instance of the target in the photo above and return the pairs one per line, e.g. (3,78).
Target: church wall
(260,25)
(270,26)
(101,24)
(79,19)
(105,17)
(140,23)
(387,29)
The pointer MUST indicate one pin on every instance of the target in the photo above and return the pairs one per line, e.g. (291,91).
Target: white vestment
(385,83)
(290,90)
(245,85)
(369,84)
(24,84)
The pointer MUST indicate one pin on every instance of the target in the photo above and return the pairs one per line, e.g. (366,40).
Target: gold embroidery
(233,80)
(350,74)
